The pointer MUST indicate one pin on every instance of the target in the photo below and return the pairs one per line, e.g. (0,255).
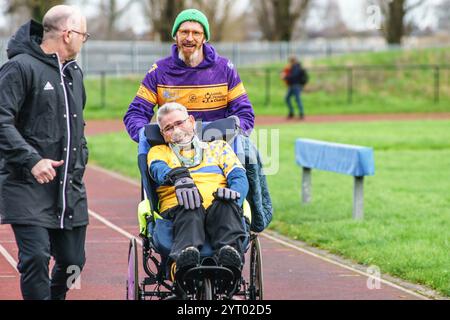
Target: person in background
(296,79)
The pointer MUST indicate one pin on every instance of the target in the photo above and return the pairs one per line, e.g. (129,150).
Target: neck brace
(194,144)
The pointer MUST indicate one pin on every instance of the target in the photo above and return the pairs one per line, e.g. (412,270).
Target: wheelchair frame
(206,278)
(155,285)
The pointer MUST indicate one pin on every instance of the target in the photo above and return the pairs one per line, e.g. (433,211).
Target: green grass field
(388,91)
(407,203)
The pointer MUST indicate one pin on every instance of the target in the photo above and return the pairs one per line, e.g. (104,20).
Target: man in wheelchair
(201,187)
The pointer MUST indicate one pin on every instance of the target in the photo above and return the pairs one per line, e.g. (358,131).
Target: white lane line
(133,182)
(8,258)
(114,227)
(115,175)
(95,215)
(391,284)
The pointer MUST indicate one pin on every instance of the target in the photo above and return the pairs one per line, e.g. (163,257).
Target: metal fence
(121,57)
(433,81)
(343,84)
(137,57)
(101,59)
(351,79)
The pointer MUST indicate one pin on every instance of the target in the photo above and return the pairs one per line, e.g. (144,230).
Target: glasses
(170,127)
(197,35)
(85,35)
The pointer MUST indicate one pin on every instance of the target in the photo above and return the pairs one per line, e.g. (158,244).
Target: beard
(189,59)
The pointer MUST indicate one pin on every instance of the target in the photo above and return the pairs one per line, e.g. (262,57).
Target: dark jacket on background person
(41,117)
(297,75)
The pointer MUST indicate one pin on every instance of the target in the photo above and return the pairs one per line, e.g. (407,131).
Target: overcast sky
(354,14)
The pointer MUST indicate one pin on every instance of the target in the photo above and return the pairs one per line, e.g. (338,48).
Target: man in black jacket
(296,79)
(43,152)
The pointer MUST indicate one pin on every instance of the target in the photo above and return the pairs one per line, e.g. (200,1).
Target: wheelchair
(207,281)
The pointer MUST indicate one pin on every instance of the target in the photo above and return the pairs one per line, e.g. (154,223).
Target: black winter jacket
(41,117)
(297,75)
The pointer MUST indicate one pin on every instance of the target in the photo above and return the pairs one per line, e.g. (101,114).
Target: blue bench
(351,160)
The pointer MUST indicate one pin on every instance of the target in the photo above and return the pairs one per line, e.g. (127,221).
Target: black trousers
(221,224)
(36,246)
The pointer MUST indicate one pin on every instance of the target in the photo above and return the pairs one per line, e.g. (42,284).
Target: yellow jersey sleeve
(158,153)
(228,160)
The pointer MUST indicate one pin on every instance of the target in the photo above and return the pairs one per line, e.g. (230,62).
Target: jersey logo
(48,86)
(153,68)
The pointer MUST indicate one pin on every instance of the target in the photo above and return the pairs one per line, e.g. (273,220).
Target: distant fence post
(328,50)
(103,88)
(436,84)
(350,85)
(134,57)
(267,86)
(235,54)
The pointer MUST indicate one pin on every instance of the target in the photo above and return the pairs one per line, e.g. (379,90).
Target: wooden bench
(356,161)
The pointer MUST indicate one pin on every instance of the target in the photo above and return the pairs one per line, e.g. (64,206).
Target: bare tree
(277,18)
(394,13)
(162,14)
(333,25)
(113,13)
(37,8)
(443,15)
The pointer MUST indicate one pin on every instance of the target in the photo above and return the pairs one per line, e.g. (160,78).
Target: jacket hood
(27,40)
(209,53)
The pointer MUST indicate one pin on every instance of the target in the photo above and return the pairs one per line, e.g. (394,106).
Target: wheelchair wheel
(133,277)
(256,272)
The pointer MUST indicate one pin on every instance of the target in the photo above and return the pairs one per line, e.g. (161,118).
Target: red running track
(288,273)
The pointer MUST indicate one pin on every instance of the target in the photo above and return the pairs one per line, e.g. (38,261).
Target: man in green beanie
(196,23)
(210,88)
(195,76)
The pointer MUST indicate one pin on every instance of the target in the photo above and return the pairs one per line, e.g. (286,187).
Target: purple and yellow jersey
(213,90)
(218,161)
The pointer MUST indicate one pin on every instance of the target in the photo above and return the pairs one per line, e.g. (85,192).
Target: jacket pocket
(80,165)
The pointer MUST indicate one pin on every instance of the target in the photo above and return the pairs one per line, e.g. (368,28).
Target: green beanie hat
(191,15)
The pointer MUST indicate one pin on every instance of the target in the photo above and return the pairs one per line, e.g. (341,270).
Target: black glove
(226,194)
(185,188)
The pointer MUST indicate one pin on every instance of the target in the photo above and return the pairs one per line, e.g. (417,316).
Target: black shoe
(290,116)
(230,257)
(188,258)
(301,117)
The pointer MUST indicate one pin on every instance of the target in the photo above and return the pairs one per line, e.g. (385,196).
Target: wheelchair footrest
(210,272)
(222,279)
